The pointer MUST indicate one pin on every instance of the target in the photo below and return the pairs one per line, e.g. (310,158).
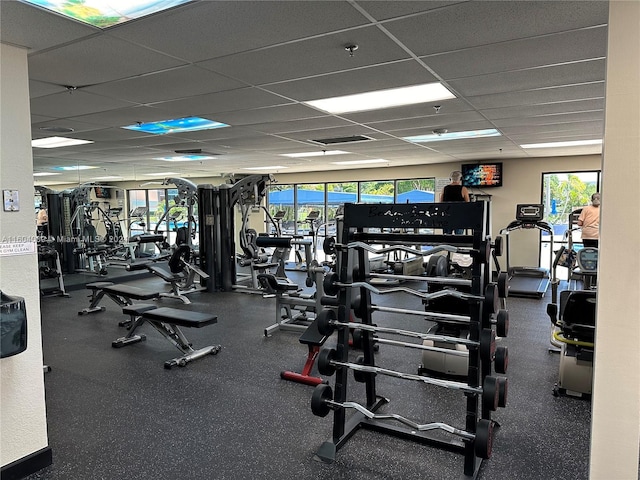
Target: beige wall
(522,184)
(23,428)
(615,431)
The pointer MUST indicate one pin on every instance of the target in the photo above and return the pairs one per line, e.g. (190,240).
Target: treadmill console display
(529,213)
(313,215)
(588,260)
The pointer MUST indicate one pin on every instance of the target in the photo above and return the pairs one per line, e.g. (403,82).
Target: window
(280,199)
(561,194)
(418,190)
(377,192)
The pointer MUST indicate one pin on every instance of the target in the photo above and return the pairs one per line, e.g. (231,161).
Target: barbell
(490,390)
(322,403)
(327,323)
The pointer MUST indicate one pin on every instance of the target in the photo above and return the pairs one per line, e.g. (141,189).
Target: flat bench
(168,321)
(123,295)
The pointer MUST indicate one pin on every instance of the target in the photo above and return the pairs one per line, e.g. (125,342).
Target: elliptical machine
(574,321)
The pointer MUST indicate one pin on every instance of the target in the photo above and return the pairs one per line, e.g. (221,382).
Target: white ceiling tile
(181,82)
(211,28)
(316,56)
(96,60)
(518,54)
(490,22)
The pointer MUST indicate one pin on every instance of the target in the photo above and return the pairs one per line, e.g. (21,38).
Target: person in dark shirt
(454,192)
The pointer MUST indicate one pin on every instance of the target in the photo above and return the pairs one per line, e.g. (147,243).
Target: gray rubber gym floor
(118,414)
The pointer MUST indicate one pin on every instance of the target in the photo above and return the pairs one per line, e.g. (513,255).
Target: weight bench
(168,321)
(175,279)
(313,339)
(123,295)
(287,299)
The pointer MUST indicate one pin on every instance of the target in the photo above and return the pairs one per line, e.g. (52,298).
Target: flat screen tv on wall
(102,192)
(481,176)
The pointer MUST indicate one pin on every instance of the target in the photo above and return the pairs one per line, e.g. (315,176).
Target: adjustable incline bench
(123,295)
(184,277)
(168,321)
(313,339)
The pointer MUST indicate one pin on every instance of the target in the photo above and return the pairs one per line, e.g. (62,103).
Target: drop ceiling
(533,70)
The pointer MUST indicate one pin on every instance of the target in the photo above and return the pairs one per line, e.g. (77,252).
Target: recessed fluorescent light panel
(73,168)
(576,143)
(433,137)
(392,97)
(314,153)
(105,13)
(57,142)
(272,167)
(178,125)
(185,158)
(361,162)
(44,174)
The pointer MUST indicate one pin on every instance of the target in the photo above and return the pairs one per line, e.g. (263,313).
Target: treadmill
(531,282)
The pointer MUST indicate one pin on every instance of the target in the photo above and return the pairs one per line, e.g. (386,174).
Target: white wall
(615,429)
(23,428)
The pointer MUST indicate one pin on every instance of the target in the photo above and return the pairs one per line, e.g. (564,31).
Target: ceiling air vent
(351,139)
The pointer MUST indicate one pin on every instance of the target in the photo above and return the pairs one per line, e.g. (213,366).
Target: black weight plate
(357,338)
(325,320)
(503,284)
(487,344)
(491,303)
(319,398)
(329,245)
(483,443)
(501,359)
(442,266)
(356,305)
(329,284)
(182,254)
(497,246)
(325,365)
(502,323)
(437,266)
(483,254)
(359,376)
(502,392)
(490,393)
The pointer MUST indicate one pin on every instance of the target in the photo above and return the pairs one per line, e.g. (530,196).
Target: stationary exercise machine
(527,281)
(186,199)
(574,323)
(216,222)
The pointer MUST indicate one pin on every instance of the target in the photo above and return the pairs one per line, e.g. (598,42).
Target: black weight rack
(386,224)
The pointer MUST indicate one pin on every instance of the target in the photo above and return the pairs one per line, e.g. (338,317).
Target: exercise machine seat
(579,314)
(273,284)
(128,291)
(181,318)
